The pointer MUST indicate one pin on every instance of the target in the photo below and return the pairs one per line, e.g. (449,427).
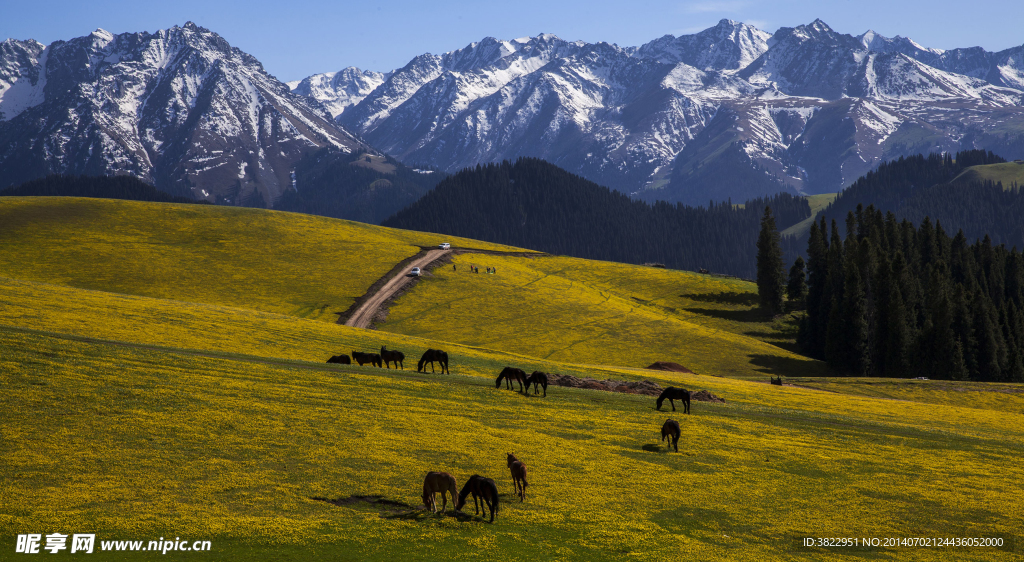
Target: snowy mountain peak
(180,108)
(729,45)
(338,91)
(102,35)
(872,41)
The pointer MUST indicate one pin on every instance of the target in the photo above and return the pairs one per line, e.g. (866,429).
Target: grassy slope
(1007,172)
(568,309)
(138,444)
(817,202)
(277,262)
(139,417)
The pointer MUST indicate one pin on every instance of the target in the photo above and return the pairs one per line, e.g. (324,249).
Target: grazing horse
(389,357)
(777,381)
(438,482)
(484,491)
(518,470)
(511,374)
(537,379)
(431,355)
(343,359)
(673,394)
(371,358)
(671,430)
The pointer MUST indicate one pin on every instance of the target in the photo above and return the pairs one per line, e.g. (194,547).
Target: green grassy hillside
(139,405)
(818,202)
(574,310)
(287,263)
(1008,173)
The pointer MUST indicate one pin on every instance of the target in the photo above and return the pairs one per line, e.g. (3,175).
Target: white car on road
(415,272)
(445,246)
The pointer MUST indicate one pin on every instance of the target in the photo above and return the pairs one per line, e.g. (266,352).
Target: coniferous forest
(536,205)
(894,300)
(106,187)
(919,186)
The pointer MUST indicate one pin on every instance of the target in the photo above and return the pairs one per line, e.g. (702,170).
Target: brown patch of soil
(627,387)
(669,366)
(705,396)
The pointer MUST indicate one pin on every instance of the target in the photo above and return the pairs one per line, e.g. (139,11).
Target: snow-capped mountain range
(812,109)
(180,108)
(805,109)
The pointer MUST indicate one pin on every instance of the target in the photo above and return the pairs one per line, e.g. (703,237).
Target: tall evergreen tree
(770,265)
(796,289)
(812,327)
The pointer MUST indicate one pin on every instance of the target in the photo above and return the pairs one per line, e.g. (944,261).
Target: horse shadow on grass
(389,509)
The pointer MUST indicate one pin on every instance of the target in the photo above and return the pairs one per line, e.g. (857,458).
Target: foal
(518,470)
(438,482)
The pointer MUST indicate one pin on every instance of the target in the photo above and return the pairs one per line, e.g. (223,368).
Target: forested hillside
(356,186)
(106,187)
(925,186)
(894,300)
(534,204)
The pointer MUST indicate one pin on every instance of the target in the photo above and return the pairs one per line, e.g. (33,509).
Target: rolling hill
(163,376)
(1006,173)
(535,204)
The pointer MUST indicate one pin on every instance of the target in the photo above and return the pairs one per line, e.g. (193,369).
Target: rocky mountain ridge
(179,108)
(807,109)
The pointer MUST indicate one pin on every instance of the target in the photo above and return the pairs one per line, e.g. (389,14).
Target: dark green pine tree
(855,313)
(957,367)
(796,289)
(812,328)
(770,265)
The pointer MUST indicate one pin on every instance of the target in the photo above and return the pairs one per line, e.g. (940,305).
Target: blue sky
(295,38)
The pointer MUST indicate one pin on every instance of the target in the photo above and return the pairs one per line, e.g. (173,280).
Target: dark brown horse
(518,470)
(671,431)
(673,394)
(431,355)
(438,482)
(389,357)
(538,379)
(510,374)
(485,494)
(343,359)
(371,358)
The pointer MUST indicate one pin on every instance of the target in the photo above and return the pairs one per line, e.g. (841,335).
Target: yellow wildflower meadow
(137,443)
(145,399)
(573,310)
(287,263)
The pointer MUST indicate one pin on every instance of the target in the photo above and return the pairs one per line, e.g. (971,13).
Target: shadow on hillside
(752,315)
(788,366)
(778,339)
(731,297)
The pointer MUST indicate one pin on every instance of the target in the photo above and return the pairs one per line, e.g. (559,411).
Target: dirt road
(363,315)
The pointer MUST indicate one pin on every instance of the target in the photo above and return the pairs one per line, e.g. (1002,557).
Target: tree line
(920,186)
(106,187)
(894,300)
(534,204)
